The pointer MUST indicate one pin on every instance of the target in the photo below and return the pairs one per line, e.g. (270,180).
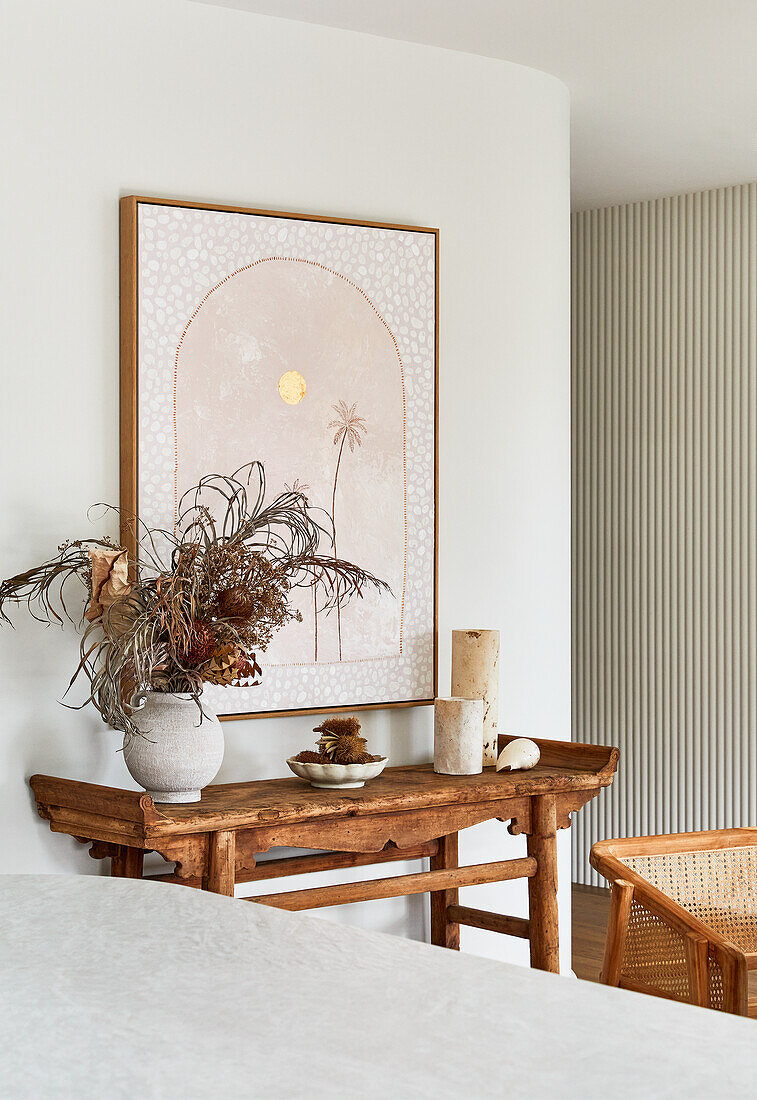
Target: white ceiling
(664,92)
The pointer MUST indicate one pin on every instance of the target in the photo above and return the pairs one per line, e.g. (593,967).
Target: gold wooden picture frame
(156,234)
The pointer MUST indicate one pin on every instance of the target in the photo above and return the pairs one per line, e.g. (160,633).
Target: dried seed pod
(346,747)
(236,603)
(339,725)
(341,742)
(348,754)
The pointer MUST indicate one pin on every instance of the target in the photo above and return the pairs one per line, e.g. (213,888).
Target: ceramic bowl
(332,776)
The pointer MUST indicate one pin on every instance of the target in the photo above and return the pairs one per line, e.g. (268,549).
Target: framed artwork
(308,343)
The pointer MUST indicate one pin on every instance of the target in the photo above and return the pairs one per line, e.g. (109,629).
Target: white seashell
(518,755)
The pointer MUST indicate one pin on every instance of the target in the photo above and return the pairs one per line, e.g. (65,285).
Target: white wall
(169,98)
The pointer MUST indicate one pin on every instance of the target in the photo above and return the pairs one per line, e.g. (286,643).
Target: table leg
(221,863)
(127,862)
(542,888)
(443,932)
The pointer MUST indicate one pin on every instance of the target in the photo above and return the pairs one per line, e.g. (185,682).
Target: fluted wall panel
(665,511)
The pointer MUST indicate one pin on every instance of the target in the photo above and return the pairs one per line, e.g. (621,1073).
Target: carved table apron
(407,813)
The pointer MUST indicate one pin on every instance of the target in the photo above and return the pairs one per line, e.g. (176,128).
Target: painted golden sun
(292,387)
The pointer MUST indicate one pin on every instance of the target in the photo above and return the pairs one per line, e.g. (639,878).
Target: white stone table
(116,988)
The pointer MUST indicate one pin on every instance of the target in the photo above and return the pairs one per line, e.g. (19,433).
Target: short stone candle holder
(458,736)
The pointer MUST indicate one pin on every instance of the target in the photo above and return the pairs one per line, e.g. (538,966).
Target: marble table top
(117,988)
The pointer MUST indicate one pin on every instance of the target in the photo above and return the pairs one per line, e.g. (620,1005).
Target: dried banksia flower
(247,591)
(340,741)
(236,603)
(202,643)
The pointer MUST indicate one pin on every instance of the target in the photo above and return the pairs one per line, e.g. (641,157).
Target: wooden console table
(407,813)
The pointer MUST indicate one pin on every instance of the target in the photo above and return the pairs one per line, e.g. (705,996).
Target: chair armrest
(652,948)
(656,946)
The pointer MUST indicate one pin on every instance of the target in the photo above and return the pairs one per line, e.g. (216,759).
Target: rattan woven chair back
(683,916)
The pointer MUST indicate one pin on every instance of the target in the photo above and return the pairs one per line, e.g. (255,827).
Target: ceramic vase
(179,749)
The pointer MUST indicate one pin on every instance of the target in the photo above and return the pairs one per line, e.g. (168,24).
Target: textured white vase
(475,675)
(458,736)
(180,750)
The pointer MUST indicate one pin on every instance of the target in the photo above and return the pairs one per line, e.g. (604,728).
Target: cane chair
(683,916)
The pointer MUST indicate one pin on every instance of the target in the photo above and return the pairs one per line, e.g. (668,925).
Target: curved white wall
(182,99)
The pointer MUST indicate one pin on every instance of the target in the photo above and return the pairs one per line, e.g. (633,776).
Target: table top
(119,988)
(563,767)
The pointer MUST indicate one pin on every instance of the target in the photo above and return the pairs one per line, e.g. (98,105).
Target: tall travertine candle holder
(475,675)
(458,729)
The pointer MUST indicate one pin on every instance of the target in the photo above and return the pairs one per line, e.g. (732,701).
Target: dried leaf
(110,570)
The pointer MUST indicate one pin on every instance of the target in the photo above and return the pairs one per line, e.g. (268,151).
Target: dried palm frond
(340,581)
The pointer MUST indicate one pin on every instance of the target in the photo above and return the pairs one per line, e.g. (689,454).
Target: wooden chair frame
(703,946)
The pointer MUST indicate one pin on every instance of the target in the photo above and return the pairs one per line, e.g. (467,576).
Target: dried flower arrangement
(200,603)
(340,743)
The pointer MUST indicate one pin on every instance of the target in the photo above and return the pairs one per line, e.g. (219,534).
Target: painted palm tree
(348,428)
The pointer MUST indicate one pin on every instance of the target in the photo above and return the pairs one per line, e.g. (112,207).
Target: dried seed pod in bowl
(340,741)
(307,756)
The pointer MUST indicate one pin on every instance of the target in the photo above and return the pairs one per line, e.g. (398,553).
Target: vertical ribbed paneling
(665,511)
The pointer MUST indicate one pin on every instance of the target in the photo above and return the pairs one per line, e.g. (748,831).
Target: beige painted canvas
(310,346)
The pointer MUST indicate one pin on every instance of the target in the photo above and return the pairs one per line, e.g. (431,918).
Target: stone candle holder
(458,733)
(475,675)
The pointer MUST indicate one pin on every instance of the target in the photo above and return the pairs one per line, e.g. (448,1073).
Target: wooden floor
(591,905)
